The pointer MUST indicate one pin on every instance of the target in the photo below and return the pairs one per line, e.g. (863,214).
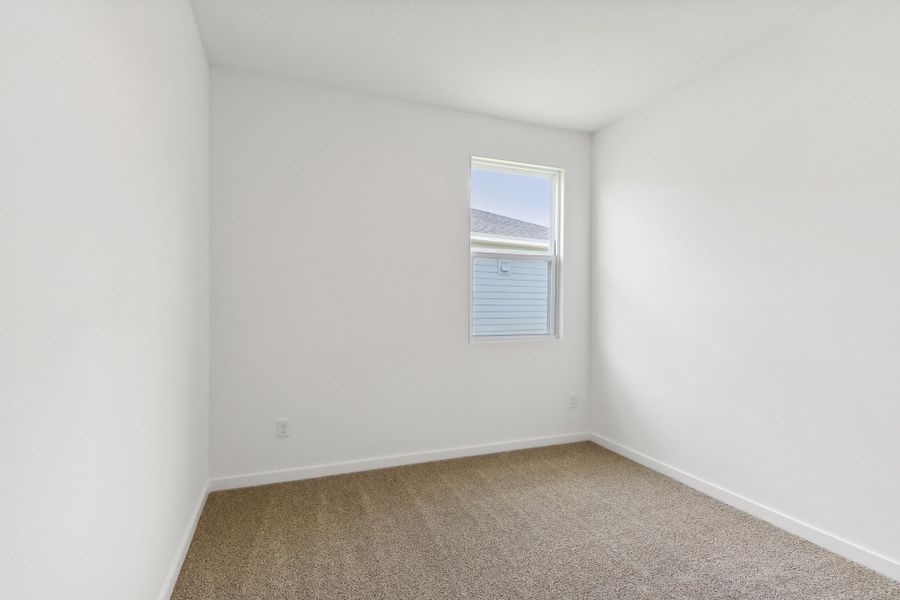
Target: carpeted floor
(563,522)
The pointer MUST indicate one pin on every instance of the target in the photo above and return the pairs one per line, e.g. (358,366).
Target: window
(514,249)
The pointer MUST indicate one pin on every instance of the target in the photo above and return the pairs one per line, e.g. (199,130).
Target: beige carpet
(564,522)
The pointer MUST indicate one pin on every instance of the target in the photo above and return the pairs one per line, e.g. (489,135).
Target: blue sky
(517,195)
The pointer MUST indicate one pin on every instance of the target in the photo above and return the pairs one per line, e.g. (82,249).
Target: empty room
(450,299)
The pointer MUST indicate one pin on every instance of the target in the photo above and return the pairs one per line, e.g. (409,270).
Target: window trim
(553,256)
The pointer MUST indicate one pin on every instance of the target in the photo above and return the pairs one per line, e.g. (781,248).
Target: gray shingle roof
(494,224)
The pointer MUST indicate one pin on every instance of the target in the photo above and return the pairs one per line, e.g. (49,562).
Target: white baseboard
(381,462)
(847,549)
(178,560)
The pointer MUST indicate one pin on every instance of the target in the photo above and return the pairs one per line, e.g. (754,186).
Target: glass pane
(511,296)
(511,211)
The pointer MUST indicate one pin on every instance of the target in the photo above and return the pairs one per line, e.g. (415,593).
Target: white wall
(747,276)
(340,280)
(104,302)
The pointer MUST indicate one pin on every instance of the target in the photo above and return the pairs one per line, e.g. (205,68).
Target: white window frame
(553,256)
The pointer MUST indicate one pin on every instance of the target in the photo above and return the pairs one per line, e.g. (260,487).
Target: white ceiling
(569,63)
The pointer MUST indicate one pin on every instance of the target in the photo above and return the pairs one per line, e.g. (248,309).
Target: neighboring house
(510,296)
(490,231)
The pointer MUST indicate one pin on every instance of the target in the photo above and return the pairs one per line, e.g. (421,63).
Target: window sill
(477,339)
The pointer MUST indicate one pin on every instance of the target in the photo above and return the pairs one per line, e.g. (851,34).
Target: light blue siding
(514,302)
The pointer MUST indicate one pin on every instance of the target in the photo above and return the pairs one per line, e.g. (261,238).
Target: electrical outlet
(573,401)
(283,428)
